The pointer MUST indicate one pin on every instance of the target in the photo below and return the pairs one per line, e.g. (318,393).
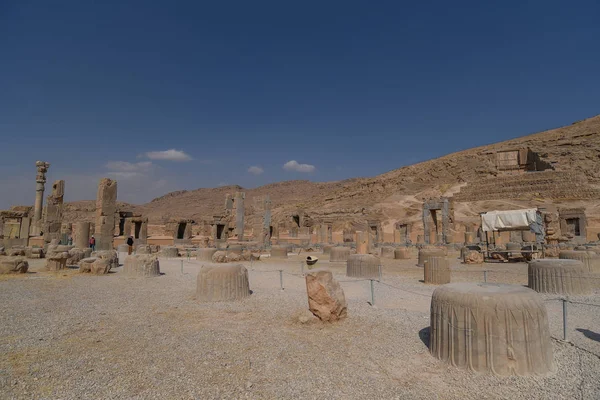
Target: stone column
(239,214)
(82,235)
(362,242)
(53,214)
(106,205)
(40,179)
(267,222)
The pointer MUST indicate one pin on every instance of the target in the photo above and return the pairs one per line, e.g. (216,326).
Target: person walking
(93,243)
(130,244)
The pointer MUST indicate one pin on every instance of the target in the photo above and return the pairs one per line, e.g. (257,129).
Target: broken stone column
(326,298)
(127,227)
(239,214)
(141,265)
(363,266)
(54,211)
(40,179)
(492,328)
(226,283)
(362,242)
(106,207)
(436,271)
(82,235)
(267,222)
(568,277)
(339,254)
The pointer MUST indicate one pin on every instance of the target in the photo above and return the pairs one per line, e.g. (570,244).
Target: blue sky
(344,89)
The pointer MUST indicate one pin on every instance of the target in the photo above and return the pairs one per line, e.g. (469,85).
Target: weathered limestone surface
(590,259)
(436,271)
(363,266)
(85,265)
(279,251)
(559,276)
(339,254)
(326,298)
(205,254)
(53,212)
(144,249)
(239,214)
(13,265)
(82,235)
(106,207)
(222,283)
(402,253)
(424,255)
(387,252)
(57,261)
(40,179)
(141,265)
(472,257)
(100,266)
(492,328)
(362,242)
(110,255)
(169,252)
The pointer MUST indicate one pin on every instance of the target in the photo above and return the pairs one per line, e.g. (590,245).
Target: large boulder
(110,255)
(13,265)
(219,257)
(76,255)
(141,265)
(326,298)
(16,252)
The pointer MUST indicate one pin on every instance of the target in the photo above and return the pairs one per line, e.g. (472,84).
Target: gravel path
(72,336)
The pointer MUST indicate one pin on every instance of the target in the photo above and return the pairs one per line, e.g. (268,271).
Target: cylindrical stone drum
(494,328)
(436,271)
(339,254)
(424,255)
(82,235)
(363,266)
(387,252)
(589,259)
(402,253)
(559,276)
(222,283)
(205,254)
(170,252)
(279,251)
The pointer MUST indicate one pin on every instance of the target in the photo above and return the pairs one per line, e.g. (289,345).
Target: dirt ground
(67,335)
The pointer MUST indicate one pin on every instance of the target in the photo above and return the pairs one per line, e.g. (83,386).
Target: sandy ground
(69,335)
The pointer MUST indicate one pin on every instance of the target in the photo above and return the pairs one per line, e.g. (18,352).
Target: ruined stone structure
(223,283)
(402,253)
(181,230)
(363,266)
(436,271)
(387,252)
(82,235)
(573,224)
(425,254)
(205,254)
(279,251)
(40,179)
(53,212)
(568,277)
(239,214)
(219,229)
(339,254)
(263,230)
(106,208)
(492,328)
(362,242)
(141,265)
(590,259)
(402,233)
(437,218)
(14,227)
(375,232)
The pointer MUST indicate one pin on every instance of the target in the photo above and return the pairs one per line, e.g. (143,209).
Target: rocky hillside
(573,150)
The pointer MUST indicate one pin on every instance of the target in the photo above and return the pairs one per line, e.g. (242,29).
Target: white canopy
(513,219)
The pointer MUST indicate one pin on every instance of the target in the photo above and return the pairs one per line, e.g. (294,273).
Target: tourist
(93,243)
(130,244)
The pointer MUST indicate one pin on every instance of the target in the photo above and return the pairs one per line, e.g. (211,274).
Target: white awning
(508,220)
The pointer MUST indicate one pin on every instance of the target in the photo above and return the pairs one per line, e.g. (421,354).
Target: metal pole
(485,276)
(181,267)
(564,301)
(281,278)
(372,293)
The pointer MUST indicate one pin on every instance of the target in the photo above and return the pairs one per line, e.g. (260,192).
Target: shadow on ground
(590,334)
(424,336)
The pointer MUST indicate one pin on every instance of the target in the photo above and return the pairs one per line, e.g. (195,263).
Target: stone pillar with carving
(40,179)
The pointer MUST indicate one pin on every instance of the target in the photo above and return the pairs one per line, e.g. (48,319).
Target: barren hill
(567,159)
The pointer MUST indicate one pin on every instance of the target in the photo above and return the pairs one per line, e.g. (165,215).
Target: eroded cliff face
(571,156)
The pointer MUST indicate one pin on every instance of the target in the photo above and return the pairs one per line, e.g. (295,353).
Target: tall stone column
(40,179)
(54,212)
(267,221)
(82,235)
(106,207)
(239,214)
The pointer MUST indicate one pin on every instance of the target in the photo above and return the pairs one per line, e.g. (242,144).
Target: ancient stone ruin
(40,179)
(326,298)
(426,253)
(223,283)
(106,207)
(436,271)
(492,328)
(279,251)
(569,277)
(53,212)
(13,265)
(339,254)
(141,265)
(363,266)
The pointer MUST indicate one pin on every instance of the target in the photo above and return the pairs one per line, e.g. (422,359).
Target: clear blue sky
(351,88)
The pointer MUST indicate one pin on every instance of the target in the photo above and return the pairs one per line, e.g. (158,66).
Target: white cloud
(255,170)
(125,166)
(294,166)
(170,155)
(221,184)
